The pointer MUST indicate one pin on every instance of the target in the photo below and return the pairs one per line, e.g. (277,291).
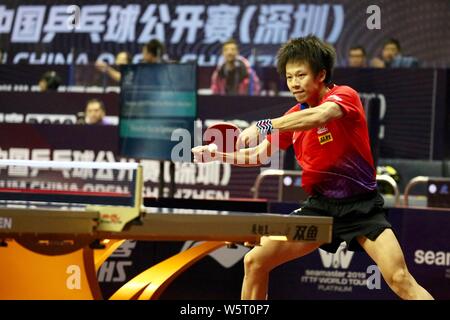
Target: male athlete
(328,131)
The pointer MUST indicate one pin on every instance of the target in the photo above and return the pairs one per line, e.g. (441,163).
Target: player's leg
(388,255)
(259,261)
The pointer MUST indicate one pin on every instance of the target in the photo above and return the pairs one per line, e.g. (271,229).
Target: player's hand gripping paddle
(219,137)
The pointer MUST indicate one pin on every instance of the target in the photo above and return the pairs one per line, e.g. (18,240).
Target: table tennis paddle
(223,135)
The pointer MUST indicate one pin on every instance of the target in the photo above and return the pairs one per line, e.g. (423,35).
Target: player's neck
(321,93)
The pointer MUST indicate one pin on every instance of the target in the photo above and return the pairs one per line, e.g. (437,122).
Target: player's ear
(322,75)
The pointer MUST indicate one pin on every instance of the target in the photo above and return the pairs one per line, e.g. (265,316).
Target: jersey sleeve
(285,139)
(347,99)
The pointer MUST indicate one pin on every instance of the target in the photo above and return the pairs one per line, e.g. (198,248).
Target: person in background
(391,57)
(50,81)
(357,57)
(122,58)
(153,52)
(94,113)
(234,75)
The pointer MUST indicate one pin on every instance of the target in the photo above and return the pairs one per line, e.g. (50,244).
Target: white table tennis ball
(212,147)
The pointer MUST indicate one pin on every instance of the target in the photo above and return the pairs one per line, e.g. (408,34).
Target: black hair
(318,54)
(155,47)
(52,79)
(358,47)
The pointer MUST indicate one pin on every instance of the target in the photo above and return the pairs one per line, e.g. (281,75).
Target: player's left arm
(309,118)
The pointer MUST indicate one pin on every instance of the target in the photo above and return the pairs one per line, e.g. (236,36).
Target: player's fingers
(199,149)
(238,142)
(198,153)
(245,137)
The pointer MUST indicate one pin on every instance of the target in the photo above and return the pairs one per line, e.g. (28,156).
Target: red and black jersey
(336,159)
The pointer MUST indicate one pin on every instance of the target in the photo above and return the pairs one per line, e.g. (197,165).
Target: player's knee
(400,278)
(253,263)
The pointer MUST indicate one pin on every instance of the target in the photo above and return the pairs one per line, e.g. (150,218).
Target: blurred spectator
(2,55)
(357,57)
(386,188)
(94,113)
(50,81)
(234,75)
(153,52)
(391,57)
(122,58)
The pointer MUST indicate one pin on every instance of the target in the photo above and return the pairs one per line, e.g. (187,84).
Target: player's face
(303,83)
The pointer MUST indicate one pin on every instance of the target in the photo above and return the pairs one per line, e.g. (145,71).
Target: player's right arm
(248,157)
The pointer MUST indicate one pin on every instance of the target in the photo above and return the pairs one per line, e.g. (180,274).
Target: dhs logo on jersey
(335,98)
(325,138)
(321,130)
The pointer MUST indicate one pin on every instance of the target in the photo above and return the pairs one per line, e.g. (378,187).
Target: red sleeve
(285,139)
(347,99)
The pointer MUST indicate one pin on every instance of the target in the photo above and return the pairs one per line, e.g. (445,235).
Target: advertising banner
(344,275)
(64,32)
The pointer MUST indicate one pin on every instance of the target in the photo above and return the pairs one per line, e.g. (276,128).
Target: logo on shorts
(339,260)
(325,138)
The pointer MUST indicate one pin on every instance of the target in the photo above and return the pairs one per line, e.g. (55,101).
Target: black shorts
(362,215)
